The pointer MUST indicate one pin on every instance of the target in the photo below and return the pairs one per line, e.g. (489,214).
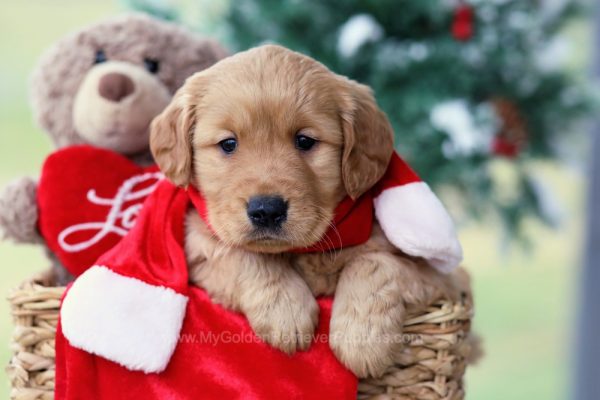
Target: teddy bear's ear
(171,138)
(194,55)
(368,138)
(213,50)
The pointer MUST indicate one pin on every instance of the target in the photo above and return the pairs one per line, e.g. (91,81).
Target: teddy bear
(101,87)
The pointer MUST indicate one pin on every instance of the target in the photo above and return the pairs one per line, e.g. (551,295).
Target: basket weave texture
(430,367)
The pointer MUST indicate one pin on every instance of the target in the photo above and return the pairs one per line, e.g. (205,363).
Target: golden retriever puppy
(274,141)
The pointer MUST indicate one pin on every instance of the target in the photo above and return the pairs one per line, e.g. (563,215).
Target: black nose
(267,211)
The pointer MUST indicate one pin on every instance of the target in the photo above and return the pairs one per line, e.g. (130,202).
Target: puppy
(274,141)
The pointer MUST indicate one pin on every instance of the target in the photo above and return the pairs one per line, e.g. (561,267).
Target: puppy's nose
(267,211)
(115,86)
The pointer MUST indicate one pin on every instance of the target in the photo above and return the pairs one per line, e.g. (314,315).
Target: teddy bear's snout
(115,103)
(115,86)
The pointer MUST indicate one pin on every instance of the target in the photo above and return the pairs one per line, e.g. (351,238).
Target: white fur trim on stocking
(123,319)
(415,221)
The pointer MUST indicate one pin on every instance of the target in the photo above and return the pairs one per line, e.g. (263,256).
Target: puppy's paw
(362,346)
(287,323)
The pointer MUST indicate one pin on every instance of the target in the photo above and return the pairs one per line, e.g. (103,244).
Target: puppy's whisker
(218,235)
(215,234)
(335,251)
(313,237)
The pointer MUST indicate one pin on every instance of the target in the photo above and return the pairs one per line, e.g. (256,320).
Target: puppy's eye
(100,57)
(228,145)
(304,142)
(151,65)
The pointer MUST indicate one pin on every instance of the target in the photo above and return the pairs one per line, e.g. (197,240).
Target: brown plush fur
(68,106)
(263,98)
(129,38)
(18,211)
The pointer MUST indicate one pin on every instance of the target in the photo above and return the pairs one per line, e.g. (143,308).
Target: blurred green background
(525,301)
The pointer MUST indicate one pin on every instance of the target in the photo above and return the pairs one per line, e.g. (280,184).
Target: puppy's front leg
(277,302)
(368,314)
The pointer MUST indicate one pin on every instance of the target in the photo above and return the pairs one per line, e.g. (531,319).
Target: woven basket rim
(431,367)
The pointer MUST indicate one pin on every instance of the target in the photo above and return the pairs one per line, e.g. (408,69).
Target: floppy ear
(368,139)
(171,138)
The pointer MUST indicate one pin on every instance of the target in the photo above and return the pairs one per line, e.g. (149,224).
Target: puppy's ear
(368,139)
(171,138)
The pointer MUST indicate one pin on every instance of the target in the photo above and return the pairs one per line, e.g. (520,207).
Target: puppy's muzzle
(268,212)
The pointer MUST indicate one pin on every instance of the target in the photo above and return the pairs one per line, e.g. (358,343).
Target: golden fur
(263,98)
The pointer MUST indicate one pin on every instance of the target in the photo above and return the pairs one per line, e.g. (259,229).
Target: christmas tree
(463,82)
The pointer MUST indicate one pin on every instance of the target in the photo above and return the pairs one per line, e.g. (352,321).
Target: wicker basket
(430,367)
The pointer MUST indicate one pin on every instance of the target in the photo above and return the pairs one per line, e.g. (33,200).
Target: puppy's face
(274,141)
(267,161)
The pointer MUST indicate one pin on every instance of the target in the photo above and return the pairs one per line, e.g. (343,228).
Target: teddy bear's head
(104,84)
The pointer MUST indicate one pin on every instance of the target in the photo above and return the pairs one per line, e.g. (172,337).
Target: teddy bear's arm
(19,211)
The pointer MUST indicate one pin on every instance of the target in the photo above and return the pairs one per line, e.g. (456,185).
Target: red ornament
(463,23)
(503,148)
(512,136)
